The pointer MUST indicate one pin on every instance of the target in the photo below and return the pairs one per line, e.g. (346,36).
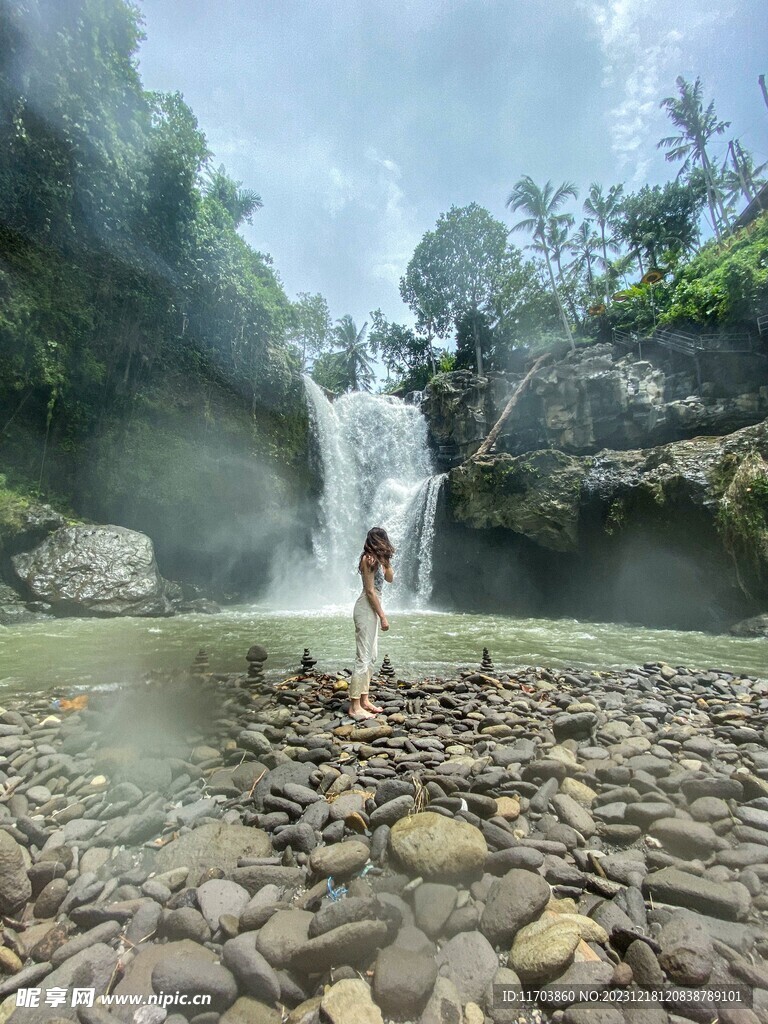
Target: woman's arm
(368,574)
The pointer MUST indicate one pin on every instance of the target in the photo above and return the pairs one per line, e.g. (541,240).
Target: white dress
(366,639)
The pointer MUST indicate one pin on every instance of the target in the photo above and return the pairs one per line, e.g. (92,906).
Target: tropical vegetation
(123,258)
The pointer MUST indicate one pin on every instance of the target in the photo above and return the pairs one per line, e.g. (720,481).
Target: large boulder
(94,570)
(437,847)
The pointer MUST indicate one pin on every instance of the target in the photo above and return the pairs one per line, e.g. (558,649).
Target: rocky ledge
(703,502)
(222,836)
(590,400)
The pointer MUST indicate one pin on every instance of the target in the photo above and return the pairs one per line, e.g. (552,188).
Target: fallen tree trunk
(490,440)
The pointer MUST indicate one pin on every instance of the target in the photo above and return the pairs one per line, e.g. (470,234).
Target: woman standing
(368,613)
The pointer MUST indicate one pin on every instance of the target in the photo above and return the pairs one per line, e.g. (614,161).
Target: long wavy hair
(378,545)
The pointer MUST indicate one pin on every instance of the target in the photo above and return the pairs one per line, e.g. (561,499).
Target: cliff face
(670,535)
(588,401)
(220,484)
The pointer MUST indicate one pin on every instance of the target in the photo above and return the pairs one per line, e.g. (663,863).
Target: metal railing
(734,343)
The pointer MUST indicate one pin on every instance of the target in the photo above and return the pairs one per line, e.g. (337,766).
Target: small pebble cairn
(487,663)
(307,663)
(256,657)
(599,832)
(386,671)
(201,665)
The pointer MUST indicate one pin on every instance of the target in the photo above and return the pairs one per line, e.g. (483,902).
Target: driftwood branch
(490,440)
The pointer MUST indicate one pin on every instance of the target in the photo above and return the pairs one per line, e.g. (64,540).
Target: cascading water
(377,471)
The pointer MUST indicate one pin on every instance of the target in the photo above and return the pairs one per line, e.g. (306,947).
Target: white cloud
(643,47)
(395,238)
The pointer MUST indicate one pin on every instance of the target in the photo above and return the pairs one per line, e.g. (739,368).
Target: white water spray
(377,471)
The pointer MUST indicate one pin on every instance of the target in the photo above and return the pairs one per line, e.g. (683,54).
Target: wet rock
(541,952)
(686,950)
(433,904)
(469,961)
(50,898)
(195,976)
(186,923)
(283,935)
(255,976)
(444,1005)
(90,968)
(352,944)
(15,887)
(214,845)
(102,933)
(728,900)
(350,1002)
(436,847)
(217,897)
(247,1011)
(340,860)
(513,901)
(403,981)
(332,915)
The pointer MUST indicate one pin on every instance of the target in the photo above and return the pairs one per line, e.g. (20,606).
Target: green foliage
(726,284)
(13,505)
(661,223)
(405,353)
(121,256)
(310,328)
(465,277)
(454,273)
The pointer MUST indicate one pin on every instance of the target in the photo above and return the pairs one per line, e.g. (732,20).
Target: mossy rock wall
(671,537)
(220,485)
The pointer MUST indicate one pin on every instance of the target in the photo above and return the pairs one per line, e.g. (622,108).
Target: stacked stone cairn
(256,657)
(307,663)
(201,664)
(386,671)
(538,827)
(487,663)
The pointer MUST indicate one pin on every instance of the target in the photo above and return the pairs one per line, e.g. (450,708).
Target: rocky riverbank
(227,837)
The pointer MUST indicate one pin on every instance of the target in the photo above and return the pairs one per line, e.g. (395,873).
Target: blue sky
(360,121)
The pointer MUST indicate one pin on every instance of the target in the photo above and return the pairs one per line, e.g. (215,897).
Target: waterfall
(377,471)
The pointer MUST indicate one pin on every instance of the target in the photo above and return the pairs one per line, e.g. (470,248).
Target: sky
(360,121)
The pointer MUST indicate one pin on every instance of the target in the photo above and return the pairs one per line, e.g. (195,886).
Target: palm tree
(686,111)
(604,208)
(542,205)
(741,178)
(558,241)
(240,203)
(353,354)
(585,247)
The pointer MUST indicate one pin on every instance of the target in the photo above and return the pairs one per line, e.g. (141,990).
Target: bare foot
(360,715)
(373,708)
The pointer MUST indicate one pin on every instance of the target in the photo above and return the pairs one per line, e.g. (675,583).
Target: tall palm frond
(541,205)
(697,126)
(605,210)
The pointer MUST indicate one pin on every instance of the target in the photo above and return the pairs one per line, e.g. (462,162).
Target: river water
(76,654)
(376,469)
